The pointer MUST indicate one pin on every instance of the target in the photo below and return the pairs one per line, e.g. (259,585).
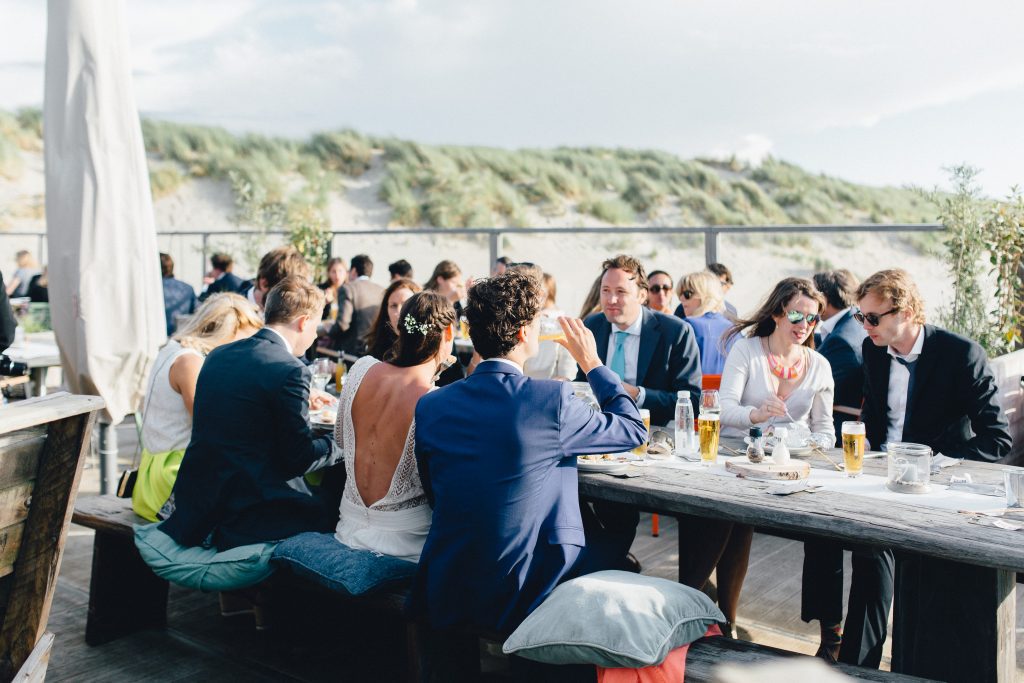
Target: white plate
(793,450)
(606,466)
(318,419)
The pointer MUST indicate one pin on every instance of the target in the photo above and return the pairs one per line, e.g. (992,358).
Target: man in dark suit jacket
(359,299)
(251,436)
(925,385)
(497,456)
(659,352)
(223,279)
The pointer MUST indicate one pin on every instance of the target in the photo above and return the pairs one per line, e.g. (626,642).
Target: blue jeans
(323,559)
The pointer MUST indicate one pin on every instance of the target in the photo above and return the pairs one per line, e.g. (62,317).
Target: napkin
(941,462)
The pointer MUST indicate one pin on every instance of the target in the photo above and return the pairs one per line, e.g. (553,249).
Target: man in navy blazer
(251,434)
(497,456)
(655,355)
(223,279)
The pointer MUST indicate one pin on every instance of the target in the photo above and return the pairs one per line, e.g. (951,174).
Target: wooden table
(955,607)
(40,356)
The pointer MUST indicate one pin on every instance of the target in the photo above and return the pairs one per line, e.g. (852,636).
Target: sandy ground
(574,259)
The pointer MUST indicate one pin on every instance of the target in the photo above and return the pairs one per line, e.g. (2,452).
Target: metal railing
(495,235)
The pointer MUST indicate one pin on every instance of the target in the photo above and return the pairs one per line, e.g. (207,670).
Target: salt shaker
(755,445)
(780,454)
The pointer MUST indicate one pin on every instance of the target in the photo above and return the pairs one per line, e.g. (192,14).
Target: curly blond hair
(896,285)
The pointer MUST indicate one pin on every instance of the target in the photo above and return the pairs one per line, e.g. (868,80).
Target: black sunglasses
(660,288)
(687,293)
(796,316)
(872,319)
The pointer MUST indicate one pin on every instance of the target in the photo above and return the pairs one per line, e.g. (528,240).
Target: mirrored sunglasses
(796,316)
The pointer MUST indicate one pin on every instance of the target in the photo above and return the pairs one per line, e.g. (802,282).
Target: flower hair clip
(412,327)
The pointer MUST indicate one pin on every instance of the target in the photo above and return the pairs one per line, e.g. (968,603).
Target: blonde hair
(708,287)
(290,298)
(895,284)
(217,322)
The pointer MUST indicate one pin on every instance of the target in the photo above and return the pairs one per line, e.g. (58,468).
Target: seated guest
(28,268)
(724,276)
(359,299)
(384,332)
(701,298)
(659,293)
(179,297)
(500,265)
(336,277)
(497,456)
(447,281)
(276,265)
(39,288)
(400,269)
(383,508)
(925,385)
(221,277)
(592,302)
(774,375)
(839,339)
(167,406)
(251,440)
(552,360)
(654,354)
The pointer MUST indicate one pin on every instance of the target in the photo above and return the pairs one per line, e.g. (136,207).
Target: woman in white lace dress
(383,507)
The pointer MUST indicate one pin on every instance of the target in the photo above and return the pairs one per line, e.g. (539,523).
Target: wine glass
(321,369)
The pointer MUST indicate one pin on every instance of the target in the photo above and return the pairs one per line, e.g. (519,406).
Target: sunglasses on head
(872,319)
(687,293)
(660,288)
(796,316)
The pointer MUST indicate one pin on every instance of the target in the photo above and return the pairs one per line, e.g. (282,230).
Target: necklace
(779,369)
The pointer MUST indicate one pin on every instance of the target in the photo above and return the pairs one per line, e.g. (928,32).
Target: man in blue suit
(223,279)
(251,436)
(497,456)
(655,355)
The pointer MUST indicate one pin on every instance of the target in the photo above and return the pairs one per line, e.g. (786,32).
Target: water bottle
(684,422)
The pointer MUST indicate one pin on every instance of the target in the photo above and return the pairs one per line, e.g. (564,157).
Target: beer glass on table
(853,447)
(708,430)
(641,450)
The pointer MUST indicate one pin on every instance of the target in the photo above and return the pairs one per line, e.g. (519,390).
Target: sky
(880,92)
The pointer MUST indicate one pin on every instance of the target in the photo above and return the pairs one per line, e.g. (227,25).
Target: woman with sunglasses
(703,302)
(773,376)
(659,292)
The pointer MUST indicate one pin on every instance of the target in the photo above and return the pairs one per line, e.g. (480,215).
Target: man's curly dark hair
(498,307)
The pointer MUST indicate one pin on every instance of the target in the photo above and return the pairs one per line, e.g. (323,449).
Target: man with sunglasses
(926,385)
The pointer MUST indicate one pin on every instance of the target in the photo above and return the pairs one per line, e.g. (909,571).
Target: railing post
(203,257)
(710,245)
(495,247)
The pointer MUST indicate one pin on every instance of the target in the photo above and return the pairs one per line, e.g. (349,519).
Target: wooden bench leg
(124,594)
(953,622)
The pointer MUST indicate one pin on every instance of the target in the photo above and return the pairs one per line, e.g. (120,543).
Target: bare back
(382,412)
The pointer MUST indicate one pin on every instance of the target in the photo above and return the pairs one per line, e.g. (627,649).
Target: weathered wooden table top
(907,526)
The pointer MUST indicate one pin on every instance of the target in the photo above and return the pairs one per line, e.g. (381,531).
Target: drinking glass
(339,375)
(321,369)
(853,447)
(550,329)
(709,402)
(708,429)
(641,450)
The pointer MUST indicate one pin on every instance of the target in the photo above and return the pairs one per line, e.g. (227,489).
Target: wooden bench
(42,447)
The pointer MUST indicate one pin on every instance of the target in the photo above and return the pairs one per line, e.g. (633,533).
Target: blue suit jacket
(668,362)
(229,283)
(842,350)
(250,436)
(497,456)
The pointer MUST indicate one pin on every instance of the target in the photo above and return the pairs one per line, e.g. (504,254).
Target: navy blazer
(250,436)
(497,456)
(229,283)
(842,350)
(668,362)
(954,405)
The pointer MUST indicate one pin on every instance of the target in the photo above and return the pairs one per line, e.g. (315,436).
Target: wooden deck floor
(199,643)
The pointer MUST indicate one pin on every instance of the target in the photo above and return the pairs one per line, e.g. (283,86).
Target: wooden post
(954,622)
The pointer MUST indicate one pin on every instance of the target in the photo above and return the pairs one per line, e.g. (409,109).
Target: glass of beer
(708,428)
(853,447)
(463,328)
(339,375)
(550,329)
(641,450)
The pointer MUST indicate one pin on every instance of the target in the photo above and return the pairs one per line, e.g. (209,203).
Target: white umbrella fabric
(106,298)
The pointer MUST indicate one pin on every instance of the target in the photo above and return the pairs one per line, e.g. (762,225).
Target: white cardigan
(747,383)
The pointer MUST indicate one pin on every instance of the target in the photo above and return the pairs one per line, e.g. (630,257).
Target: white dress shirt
(826,326)
(631,349)
(899,384)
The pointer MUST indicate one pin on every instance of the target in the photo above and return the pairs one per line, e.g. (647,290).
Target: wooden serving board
(795,469)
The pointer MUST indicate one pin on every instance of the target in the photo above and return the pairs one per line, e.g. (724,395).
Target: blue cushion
(204,569)
(326,560)
(614,619)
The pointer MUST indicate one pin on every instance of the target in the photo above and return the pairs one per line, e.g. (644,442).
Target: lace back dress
(398,523)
